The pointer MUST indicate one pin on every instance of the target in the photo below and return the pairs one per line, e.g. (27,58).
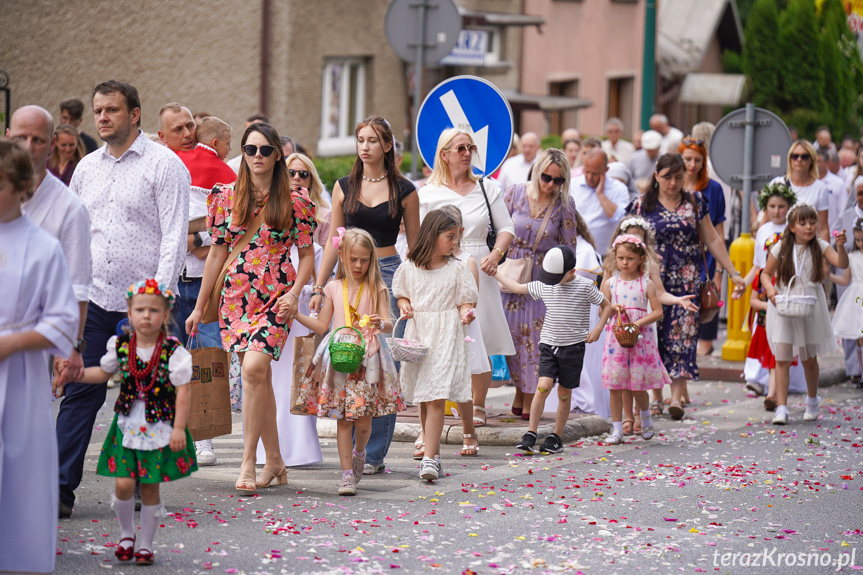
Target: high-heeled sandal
(479,420)
(125,553)
(246,483)
(266,478)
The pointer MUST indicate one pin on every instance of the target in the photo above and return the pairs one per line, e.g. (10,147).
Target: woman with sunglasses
(545,194)
(257,277)
(304,175)
(453,181)
(802,177)
(375,197)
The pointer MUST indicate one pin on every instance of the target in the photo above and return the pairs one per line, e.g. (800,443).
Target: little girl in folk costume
(639,368)
(358,299)
(148,439)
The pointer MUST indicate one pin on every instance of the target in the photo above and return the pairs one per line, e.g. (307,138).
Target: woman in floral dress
(261,274)
(671,213)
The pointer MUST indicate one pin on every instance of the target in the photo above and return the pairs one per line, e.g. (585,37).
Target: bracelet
(500,251)
(736,273)
(292,295)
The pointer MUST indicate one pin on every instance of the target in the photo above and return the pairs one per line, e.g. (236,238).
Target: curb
(576,428)
(828,376)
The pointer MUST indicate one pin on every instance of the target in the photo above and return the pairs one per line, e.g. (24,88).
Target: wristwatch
(197,241)
(81,346)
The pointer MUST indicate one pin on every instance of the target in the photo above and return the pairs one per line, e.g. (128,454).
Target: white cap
(651,140)
(619,171)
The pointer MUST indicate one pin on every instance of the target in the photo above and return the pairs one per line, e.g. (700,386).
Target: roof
(685,29)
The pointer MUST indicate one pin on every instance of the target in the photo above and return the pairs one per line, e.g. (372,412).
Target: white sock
(812,401)
(646,420)
(148,526)
(125,511)
(781,409)
(617,426)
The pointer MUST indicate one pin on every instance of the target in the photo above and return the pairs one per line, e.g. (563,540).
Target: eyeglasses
(462,148)
(690,142)
(801,157)
(548,179)
(252,150)
(302,173)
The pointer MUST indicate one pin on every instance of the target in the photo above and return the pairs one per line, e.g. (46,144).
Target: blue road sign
(475,105)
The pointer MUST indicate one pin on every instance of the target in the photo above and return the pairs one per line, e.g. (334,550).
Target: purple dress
(524,314)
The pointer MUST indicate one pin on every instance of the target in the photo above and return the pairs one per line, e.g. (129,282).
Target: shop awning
(715,89)
(519,101)
(477,18)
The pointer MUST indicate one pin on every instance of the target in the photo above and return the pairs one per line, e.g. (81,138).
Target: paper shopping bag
(304,351)
(210,409)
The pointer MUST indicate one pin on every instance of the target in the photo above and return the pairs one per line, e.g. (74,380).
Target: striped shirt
(567,317)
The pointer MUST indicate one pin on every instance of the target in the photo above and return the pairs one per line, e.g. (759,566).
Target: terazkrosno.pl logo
(771,557)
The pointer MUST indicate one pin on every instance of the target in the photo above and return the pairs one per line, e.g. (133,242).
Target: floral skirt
(372,390)
(157,466)
(636,368)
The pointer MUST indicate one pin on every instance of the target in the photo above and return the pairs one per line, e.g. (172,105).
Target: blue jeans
(209,334)
(383,427)
(82,402)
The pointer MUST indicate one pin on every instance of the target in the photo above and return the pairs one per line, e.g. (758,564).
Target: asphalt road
(721,482)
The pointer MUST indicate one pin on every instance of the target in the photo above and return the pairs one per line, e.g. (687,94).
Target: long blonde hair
(361,238)
(440,175)
(545,159)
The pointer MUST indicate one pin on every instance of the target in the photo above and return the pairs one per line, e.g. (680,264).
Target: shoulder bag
(211,312)
(520,270)
(491,238)
(710,302)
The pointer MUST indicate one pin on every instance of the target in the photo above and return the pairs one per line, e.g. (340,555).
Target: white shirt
(60,213)
(765,232)
(622,150)
(590,208)
(567,305)
(234,163)
(672,138)
(197,209)
(139,217)
(846,222)
(641,166)
(815,193)
(836,196)
(515,171)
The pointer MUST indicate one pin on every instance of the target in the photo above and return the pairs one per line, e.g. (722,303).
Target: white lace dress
(435,296)
(848,317)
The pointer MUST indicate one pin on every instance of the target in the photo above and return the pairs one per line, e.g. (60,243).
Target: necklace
(149,370)
(373,180)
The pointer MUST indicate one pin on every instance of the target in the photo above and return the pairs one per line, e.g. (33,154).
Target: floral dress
(524,314)
(261,274)
(680,266)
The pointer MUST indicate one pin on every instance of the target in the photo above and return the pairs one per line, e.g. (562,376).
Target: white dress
(474,212)
(435,296)
(38,292)
(848,316)
(807,336)
(298,434)
(479,362)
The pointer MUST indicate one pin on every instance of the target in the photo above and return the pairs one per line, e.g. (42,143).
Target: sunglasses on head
(802,157)
(252,150)
(690,142)
(302,173)
(548,179)
(462,148)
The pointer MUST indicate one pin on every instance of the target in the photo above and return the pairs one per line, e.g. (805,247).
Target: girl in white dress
(438,292)
(800,255)
(848,316)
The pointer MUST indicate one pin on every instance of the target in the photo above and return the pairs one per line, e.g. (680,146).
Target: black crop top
(376,220)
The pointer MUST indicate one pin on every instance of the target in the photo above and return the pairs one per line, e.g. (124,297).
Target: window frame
(344,142)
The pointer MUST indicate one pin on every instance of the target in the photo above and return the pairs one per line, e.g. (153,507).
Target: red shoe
(125,553)
(143,557)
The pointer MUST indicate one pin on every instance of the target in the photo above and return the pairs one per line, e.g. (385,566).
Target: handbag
(788,305)
(710,302)
(211,311)
(521,269)
(491,237)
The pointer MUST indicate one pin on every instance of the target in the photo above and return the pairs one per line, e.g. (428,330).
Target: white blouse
(474,211)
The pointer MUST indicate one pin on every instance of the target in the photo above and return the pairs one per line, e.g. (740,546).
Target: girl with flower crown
(148,440)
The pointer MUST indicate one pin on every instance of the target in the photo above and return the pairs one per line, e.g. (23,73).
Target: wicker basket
(626,333)
(408,350)
(346,357)
(788,305)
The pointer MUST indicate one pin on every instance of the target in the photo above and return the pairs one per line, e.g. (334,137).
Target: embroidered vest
(160,400)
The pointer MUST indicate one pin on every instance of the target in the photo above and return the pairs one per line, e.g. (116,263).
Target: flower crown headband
(635,221)
(627,239)
(794,209)
(777,189)
(151,287)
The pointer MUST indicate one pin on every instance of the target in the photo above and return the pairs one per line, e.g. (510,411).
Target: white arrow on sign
(459,120)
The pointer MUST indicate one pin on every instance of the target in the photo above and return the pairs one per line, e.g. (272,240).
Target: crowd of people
(583,267)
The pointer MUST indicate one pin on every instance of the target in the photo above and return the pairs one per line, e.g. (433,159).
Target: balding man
(613,146)
(671,136)
(571,134)
(177,127)
(601,201)
(516,169)
(55,209)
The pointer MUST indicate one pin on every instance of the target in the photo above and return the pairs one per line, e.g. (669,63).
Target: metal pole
(418,81)
(648,64)
(748,152)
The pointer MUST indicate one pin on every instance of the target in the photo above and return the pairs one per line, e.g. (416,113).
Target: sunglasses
(690,142)
(462,148)
(252,150)
(548,179)
(801,157)
(302,173)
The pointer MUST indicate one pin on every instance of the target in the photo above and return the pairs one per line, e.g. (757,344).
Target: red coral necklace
(149,371)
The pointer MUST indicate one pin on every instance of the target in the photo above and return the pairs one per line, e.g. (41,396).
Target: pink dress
(636,368)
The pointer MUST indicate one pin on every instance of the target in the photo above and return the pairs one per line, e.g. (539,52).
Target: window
(562,119)
(621,102)
(342,105)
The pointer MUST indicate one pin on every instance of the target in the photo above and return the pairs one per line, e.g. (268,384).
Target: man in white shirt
(55,209)
(601,201)
(835,187)
(517,169)
(613,146)
(671,136)
(234,163)
(137,194)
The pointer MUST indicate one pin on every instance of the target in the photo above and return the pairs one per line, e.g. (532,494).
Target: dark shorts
(562,363)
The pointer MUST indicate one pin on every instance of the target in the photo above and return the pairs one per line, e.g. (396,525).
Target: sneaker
(781,416)
(204,452)
(614,438)
(369,469)
(755,387)
(430,469)
(811,413)
(528,440)
(358,464)
(552,444)
(64,511)
(348,485)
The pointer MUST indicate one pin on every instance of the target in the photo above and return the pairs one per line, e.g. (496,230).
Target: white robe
(37,292)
